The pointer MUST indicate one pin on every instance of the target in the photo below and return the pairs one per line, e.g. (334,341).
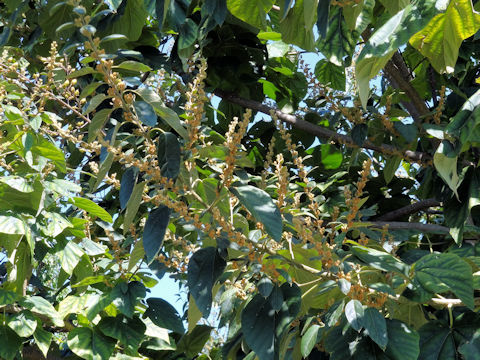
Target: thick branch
(396,71)
(409,209)
(396,225)
(324,133)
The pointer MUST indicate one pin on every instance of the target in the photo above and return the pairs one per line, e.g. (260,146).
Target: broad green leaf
(23,323)
(359,15)
(471,349)
(37,304)
(301,16)
(92,105)
(309,339)
(375,326)
(440,40)
(91,280)
(436,341)
(438,273)
(11,342)
(113,37)
(43,339)
(12,225)
(7,297)
(18,183)
(89,344)
(126,186)
(323,12)
(265,286)
(92,208)
(133,66)
(394,6)
(380,260)
(56,224)
(145,113)
(132,205)
(46,149)
(354,313)
(169,155)
(194,313)
(204,268)
(105,166)
(446,165)
(403,341)
(154,231)
(62,187)
(262,207)
(97,303)
(81,72)
(130,332)
(331,157)
(126,296)
(72,304)
(387,39)
(263,327)
(192,343)
(188,34)
(252,12)
(391,167)
(97,123)
(130,24)
(339,44)
(164,315)
(329,74)
(136,255)
(171,118)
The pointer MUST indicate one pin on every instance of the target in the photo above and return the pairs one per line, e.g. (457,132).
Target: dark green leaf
(37,304)
(265,286)
(43,339)
(132,205)
(354,313)
(262,207)
(169,155)
(359,134)
(126,186)
(309,339)
(330,74)
(89,344)
(403,341)
(193,342)
(204,268)
(375,326)
(23,323)
(436,342)
(11,342)
(322,17)
(390,167)
(133,66)
(145,113)
(380,260)
(164,315)
(129,332)
(154,231)
(98,122)
(438,273)
(471,349)
(126,296)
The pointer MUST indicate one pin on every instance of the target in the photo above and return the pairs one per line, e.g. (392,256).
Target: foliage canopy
(307,211)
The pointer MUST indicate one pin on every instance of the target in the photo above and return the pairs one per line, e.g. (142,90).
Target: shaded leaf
(154,231)
(164,315)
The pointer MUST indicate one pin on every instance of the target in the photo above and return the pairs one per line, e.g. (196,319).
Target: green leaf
(164,315)
(440,40)
(403,341)
(384,42)
(50,151)
(301,16)
(43,339)
(446,165)
(380,260)
(331,157)
(391,167)
(130,332)
(471,349)
(12,225)
(204,268)
(136,255)
(92,208)
(18,183)
(37,304)
(11,343)
(82,72)
(339,44)
(132,205)
(89,344)
(187,34)
(263,327)
(171,118)
(105,166)
(94,102)
(323,12)
(262,207)
(309,339)
(375,326)
(193,342)
(23,323)
(113,37)
(126,186)
(154,232)
(436,342)
(99,302)
(252,12)
(130,24)
(329,74)
(265,286)
(145,113)
(97,123)
(438,273)
(354,313)
(133,66)
(126,296)
(169,155)
(7,297)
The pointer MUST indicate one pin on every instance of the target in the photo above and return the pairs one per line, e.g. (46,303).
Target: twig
(324,133)
(409,209)
(396,225)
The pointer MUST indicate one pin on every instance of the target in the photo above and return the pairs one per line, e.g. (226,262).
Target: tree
(321,211)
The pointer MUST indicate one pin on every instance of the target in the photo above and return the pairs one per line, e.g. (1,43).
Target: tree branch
(409,209)
(397,73)
(396,225)
(324,133)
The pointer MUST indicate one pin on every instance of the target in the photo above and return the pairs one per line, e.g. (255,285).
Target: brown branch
(396,225)
(409,209)
(324,133)
(397,73)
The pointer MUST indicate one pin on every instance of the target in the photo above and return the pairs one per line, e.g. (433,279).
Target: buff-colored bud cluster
(437,117)
(353,204)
